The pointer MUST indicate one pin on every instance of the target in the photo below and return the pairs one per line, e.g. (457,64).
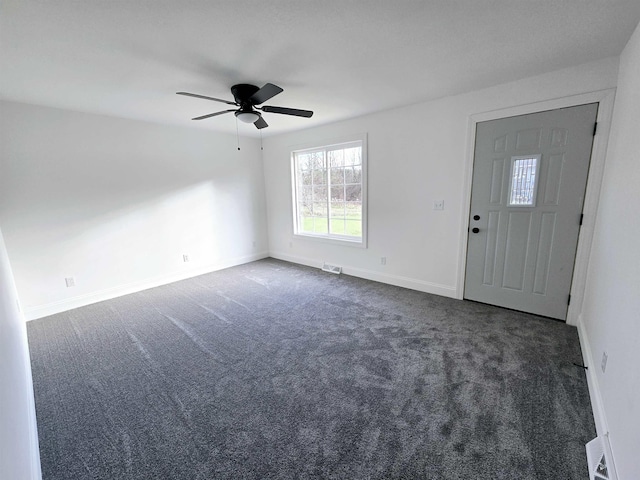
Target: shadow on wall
(208,222)
(111,201)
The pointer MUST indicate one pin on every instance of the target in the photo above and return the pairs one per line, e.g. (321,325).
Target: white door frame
(605,98)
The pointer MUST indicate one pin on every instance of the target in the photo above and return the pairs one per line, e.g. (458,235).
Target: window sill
(332,240)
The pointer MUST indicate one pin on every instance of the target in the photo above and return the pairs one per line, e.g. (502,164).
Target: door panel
(553,180)
(517,241)
(529,179)
(543,257)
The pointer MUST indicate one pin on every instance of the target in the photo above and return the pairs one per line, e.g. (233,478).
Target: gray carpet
(275,371)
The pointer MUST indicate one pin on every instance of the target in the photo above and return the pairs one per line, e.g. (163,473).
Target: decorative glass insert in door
(524,180)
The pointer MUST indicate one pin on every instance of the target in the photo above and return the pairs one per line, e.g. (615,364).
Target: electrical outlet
(70,281)
(185,258)
(383,260)
(438,204)
(603,365)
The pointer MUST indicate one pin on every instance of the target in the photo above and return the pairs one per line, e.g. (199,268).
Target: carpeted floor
(275,371)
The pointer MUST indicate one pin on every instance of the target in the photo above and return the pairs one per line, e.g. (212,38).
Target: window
(329,191)
(524,173)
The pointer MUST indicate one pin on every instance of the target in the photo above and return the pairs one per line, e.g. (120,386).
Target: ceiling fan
(247,97)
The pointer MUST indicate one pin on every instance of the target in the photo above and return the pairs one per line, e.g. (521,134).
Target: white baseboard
(397,280)
(597,405)
(32,470)
(39,311)
(592,380)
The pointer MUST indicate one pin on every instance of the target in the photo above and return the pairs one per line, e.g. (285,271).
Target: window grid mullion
(328,182)
(299,195)
(344,198)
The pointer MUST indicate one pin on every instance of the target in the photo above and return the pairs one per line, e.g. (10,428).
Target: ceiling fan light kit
(247,117)
(247,97)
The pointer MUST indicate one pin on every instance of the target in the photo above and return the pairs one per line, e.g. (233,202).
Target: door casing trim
(605,99)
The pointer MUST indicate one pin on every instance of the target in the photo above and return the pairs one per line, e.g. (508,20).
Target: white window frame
(328,145)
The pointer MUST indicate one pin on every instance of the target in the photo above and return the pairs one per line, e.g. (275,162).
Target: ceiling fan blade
(265,93)
(205,97)
(260,123)
(287,111)
(212,115)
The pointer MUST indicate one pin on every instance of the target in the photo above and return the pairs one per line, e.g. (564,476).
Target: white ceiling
(340,58)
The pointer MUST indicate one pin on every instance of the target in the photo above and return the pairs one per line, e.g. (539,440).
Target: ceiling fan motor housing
(242,93)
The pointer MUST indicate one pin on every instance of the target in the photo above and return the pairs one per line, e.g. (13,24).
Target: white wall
(19,456)
(611,310)
(116,203)
(417,154)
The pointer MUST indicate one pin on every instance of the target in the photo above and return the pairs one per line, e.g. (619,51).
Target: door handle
(475,229)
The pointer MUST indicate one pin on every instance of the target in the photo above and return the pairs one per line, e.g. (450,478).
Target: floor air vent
(331,268)
(597,460)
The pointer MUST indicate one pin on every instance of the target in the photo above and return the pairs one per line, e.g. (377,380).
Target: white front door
(529,180)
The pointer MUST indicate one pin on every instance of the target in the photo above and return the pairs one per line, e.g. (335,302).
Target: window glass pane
(348,175)
(336,158)
(305,195)
(337,193)
(523,181)
(306,224)
(337,209)
(304,177)
(337,176)
(338,226)
(319,177)
(352,156)
(319,209)
(353,193)
(320,193)
(317,161)
(357,174)
(302,162)
(306,210)
(353,210)
(353,227)
(320,225)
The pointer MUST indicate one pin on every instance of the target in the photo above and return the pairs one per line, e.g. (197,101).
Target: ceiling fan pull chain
(261,148)
(237,134)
